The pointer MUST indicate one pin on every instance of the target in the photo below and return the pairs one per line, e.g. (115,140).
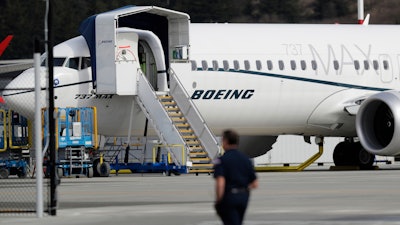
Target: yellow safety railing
(169,155)
(56,125)
(96,142)
(4,127)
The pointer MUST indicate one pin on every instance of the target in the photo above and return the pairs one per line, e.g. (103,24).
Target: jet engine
(254,146)
(378,123)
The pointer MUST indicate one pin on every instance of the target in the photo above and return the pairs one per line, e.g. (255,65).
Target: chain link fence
(18,196)
(18,187)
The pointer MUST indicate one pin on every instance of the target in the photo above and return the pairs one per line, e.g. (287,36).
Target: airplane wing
(9,66)
(5,43)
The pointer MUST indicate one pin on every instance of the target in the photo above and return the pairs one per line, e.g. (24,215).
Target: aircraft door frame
(148,63)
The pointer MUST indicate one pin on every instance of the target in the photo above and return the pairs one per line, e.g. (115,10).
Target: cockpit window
(73,63)
(57,61)
(86,63)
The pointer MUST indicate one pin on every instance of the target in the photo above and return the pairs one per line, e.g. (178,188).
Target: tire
(96,167)
(364,159)
(90,172)
(22,173)
(176,173)
(343,154)
(60,172)
(352,154)
(4,173)
(105,169)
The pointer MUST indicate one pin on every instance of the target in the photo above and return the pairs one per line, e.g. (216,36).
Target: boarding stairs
(178,122)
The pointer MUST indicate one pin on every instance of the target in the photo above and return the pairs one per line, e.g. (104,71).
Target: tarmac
(308,197)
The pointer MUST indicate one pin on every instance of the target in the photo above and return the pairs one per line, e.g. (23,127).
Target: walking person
(234,178)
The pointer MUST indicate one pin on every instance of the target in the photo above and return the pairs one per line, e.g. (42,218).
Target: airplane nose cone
(19,94)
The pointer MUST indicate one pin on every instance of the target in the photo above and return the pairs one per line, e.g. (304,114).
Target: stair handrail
(193,115)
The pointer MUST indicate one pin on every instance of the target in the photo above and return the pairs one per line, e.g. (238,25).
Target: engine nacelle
(378,123)
(254,146)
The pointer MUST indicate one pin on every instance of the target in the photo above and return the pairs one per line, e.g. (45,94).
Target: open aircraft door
(112,75)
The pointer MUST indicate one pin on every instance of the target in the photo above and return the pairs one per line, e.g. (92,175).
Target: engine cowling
(254,146)
(378,123)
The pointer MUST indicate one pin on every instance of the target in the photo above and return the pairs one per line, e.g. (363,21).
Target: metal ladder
(177,121)
(149,102)
(201,162)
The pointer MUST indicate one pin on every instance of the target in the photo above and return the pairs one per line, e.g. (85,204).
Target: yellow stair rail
(169,155)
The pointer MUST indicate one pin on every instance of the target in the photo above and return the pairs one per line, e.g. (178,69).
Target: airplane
(263,80)
(4,44)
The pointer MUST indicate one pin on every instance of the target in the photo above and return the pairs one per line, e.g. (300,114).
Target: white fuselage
(258,79)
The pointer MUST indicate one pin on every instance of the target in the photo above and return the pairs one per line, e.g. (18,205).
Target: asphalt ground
(309,197)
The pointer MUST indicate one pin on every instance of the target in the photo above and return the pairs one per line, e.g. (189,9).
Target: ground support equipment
(13,167)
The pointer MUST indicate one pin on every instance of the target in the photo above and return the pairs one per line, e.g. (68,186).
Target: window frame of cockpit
(66,60)
(67,63)
(55,59)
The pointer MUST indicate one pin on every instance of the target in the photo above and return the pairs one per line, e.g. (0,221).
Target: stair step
(189,136)
(208,171)
(169,103)
(200,160)
(202,165)
(192,142)
(196,148)
(179,119)
(175,114)
(172,109)
(198,154)
(166,97)
(186,131)
(180,125)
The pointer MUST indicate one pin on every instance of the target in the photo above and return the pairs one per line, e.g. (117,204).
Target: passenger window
(73,63)
(293,64)
(356,64)
(366,65)
(258,65)
(385,64)
(314,65)
(335,64)
(246,65)
(303,65)
(281,65)
(215,65)
(269,65)
(375,64)
(226,65)
(236,65)
(204,65)
(194,65)
(86,63)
